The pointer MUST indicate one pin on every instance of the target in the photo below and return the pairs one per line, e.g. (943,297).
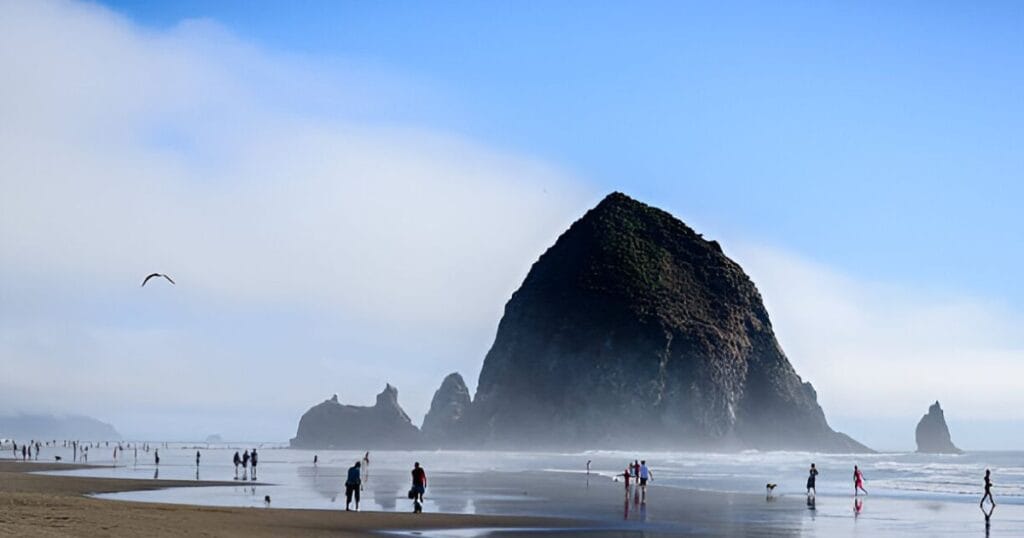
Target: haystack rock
(633,330)
(449,405)
(333,425)
(933,434)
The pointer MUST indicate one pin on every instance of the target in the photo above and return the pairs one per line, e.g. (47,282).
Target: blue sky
(883,138)
(385,173)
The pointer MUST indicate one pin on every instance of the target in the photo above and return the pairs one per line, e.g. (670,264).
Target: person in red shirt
(419,487)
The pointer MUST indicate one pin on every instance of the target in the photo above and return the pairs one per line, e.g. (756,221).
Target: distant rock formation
(449,405)
(215,438)
(933,434)
(633,329)
(333,425)
(75,427)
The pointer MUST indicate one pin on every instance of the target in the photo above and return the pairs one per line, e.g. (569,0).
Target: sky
(347,194)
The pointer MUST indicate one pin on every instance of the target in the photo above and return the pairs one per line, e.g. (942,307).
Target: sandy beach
(46,505)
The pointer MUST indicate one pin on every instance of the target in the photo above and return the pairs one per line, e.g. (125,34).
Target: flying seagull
(154,275)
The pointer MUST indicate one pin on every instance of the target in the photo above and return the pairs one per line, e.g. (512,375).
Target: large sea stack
(331,424)
(633,330)
(932,433)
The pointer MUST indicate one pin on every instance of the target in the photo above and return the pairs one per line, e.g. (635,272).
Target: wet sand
(46,505)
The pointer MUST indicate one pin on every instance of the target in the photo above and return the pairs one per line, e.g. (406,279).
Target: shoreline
(33,504)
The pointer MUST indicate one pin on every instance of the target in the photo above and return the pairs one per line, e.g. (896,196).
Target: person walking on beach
(254,461)
(625,477)
(645,475)
(315,458)
(156,456)
(858,481)
(419,487)
(245,465)
(238,461)
(366,467)
(636,470)
(353,483)
(197,459)
(811,479)
(988,490)
(588,467)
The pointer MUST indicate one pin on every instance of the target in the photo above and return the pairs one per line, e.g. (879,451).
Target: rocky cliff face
(333,425)
(633,329)
(449,405)
(933,434)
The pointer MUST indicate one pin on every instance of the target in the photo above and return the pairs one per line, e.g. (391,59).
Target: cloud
(264,186)
(885,351)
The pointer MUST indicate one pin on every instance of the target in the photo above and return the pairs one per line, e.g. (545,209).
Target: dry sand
(43,505)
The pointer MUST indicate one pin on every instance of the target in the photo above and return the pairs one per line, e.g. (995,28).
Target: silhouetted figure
(419,487)
(238,461)
(988,490)
(197,459)
(156,456)
(588,467)
(245,465)
(254,459)
(812,477)
(315,459)
(366,466)
(858,481)
(353,483)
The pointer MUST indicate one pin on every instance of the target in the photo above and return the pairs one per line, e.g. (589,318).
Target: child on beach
(858,481)
(811,479)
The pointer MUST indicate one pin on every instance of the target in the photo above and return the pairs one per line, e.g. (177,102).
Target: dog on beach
(56,458)
(769,488)
(266,501)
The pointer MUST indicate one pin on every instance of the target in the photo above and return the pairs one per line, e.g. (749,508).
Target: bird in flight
(156,275)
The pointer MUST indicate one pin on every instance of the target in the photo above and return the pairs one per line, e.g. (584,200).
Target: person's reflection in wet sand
(156,473)
(812,502)
(625,506)
(858,506)
(636,496)
(988,519)
(197,473)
